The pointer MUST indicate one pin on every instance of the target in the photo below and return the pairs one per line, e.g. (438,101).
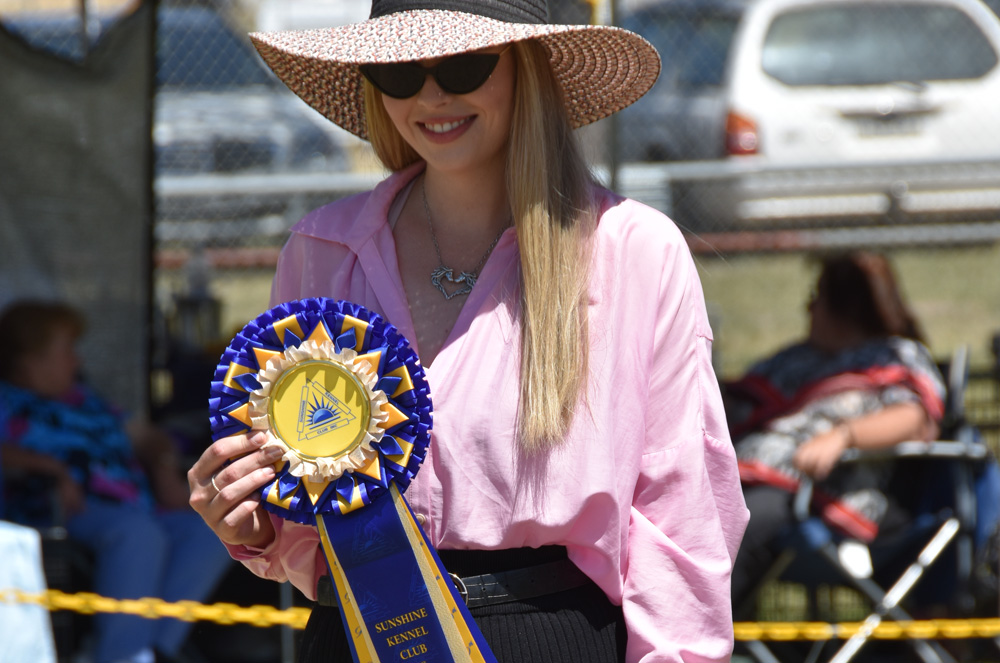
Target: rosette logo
(326,414)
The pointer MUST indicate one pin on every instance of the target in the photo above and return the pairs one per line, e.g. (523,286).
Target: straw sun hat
(601,69)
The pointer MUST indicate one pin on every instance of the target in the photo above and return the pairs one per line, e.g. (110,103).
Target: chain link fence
(776,131)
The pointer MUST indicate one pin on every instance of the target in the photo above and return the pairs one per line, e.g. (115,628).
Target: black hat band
(511,11)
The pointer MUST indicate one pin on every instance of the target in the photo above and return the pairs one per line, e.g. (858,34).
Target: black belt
(500,587)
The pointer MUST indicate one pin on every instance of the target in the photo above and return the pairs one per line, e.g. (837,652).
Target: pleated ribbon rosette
(342,394)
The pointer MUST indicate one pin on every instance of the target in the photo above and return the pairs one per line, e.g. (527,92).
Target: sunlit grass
(757,302)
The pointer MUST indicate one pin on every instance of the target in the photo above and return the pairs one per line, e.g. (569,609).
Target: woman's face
(829,331)
(459,132)
(51,371)
(820,322)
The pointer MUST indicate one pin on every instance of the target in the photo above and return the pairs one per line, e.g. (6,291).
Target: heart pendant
(455,286)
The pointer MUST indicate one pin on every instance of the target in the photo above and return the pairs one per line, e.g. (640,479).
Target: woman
(861,379)
(562,329)
(119,485)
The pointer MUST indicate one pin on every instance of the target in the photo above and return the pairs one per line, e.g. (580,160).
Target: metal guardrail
(221,209)
(171,186)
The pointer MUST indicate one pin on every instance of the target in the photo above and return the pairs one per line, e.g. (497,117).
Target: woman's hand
(818,456)
(231,507)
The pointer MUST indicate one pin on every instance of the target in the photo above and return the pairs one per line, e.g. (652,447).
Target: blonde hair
(390,147)
(548,186)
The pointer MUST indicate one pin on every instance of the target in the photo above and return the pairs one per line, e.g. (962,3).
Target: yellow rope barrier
(153,608)
(265,615)
(955,629)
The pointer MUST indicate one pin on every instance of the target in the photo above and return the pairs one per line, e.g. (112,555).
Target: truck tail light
(741,135)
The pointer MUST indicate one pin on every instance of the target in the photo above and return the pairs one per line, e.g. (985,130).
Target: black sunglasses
(459,74)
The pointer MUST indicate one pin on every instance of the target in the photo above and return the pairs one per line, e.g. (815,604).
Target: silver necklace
(465,280)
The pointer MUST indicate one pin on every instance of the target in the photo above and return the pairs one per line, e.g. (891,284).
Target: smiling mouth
(445,127)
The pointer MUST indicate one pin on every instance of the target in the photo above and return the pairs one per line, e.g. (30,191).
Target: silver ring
(217,489)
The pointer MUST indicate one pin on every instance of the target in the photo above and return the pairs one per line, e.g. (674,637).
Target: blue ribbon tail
(396,600)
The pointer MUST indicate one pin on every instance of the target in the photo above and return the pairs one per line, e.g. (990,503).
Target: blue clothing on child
(83,432)
(139,550)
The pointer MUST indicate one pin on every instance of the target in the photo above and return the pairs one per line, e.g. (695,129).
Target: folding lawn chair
(942,476)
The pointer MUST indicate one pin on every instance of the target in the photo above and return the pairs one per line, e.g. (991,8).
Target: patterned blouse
(801,392)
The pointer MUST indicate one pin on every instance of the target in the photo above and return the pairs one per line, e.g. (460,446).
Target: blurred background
(778,130)
(151,166)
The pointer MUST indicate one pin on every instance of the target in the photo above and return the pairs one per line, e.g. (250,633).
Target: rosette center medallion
(320,410)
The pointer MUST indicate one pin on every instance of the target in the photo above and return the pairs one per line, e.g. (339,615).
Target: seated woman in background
(120,487)
(862,379)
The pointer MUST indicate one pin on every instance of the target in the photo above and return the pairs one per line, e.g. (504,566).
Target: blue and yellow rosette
(343,395)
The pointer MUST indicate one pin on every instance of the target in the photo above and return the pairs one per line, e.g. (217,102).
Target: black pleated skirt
(579,625)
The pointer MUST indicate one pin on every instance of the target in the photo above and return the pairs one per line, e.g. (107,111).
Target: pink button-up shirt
(643,492)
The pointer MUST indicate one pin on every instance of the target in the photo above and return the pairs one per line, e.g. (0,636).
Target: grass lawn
(245,295)
(758,302)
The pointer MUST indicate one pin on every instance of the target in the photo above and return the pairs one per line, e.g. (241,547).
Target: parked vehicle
(218,109)
(822,112)
(676,120)
(274,15)
(219,116)
(219,112)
